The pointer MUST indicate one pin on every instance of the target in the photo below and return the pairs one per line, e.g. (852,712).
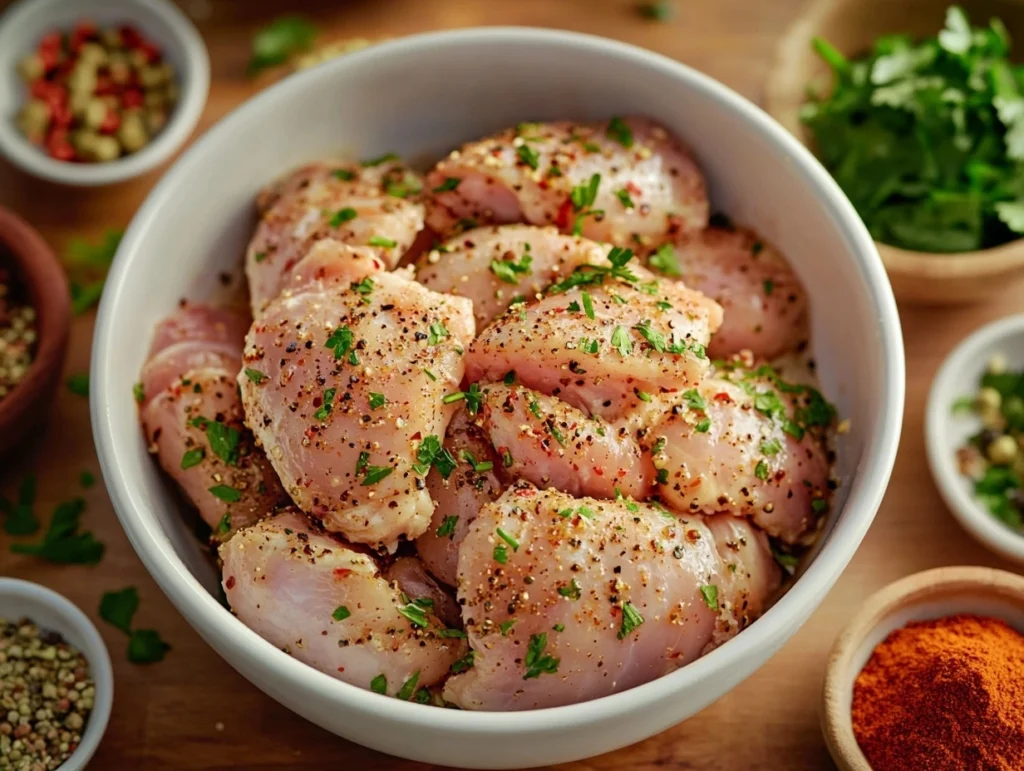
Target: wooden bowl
(927,595)
(35,265)
(852,27)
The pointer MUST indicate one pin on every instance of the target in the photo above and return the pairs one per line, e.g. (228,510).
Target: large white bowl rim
(780,622)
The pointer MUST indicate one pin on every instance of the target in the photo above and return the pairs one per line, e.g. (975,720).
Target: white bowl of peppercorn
(56,682)
(98,91)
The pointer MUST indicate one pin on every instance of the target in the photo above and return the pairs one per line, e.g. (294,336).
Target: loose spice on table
(943,695)
(17,332)
(46,696)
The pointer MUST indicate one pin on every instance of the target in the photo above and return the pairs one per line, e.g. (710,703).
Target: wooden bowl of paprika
(930,674)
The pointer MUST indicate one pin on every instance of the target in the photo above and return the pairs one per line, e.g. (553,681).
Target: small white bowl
(27,21)
(922,596)
(945,432)
(55,613)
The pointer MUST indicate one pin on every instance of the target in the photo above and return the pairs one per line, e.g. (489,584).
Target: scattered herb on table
(78,383)
(994,457)
(927,137)
(19,517)
(63,543)
(87,264)
(145,646)
(661,10)
(47,695)
(279,41)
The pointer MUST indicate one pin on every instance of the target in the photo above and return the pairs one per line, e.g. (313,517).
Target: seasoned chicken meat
(622,181)
(568,599)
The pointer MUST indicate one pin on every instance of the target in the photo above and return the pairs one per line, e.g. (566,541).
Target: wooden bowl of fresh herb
(35,317)
(917,109)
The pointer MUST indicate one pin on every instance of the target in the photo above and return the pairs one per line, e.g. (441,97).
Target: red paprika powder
(943,695)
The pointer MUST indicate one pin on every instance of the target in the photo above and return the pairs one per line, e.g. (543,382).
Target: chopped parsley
(381,160)
(589,275)
(279,41)
(509,270)
(364,287)
(437,333)
(62,543)
(769,286)
(761,470)
(666,261)
(387,243)
(379,684)
(326,406)
(340,341)
(432,453)
(571,591)
(771,447)
(621,341)
(500,554)
(588,305)
(508,539)
(583,197)
(226,493)
(415,613)
(377,400)
(342,216)
(78,384)
(139,392)
(224,525)
(192,458)
(463,664)
(537,662)
(506,626)
(620,131)
(254,375)
(374,474)
(624,198)
(450,183)
(710,594)
(694,400)
(409,687)
(528,155)
(340,613)
(343,174)
(631,619)
(447,528)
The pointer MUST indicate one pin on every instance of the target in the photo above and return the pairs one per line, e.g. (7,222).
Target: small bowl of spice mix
(974,434)
(97,91)
(56,682)
(929,676)
(35,316)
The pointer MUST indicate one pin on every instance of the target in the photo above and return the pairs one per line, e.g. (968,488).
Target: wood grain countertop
(192,711)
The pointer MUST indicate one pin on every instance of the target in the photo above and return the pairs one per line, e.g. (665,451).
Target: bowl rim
(99,662)
(782,100)
(781,621)
(195,84)
(965,509)
(909,591)
(36,266)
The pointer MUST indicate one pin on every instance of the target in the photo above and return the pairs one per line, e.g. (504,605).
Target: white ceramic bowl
(53,612)
(945,431)
(923,596)
(25,22)
(421,96)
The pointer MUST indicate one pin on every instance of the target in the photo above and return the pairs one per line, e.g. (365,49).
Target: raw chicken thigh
(459,496)
(765,306)
(347,401)
(545,441)
(749,448)
(493,266)
(605,345)
(622,181)
(193,419)
(570,599)
(328,605)
(371,206)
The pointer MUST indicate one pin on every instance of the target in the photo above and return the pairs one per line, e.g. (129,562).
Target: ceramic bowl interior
(946,430)
(21,27)
(852,26)
(197,221)
(54,613)
(920,597)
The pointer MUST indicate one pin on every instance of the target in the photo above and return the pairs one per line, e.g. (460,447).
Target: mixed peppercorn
(95,94)
(17,332)
(46,696)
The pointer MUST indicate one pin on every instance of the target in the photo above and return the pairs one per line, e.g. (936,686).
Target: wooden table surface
(193,711)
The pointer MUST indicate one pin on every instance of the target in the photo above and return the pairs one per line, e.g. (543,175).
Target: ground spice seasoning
(17,332)
(943,695)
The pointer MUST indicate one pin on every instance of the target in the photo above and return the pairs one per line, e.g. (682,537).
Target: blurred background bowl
(852,26)
(25,22)
(35,265)
(196,223)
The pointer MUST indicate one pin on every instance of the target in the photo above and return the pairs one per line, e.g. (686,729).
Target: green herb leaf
(62,543)
(374,474)
(226,493)
(509,270)
(620,131)
(621,341)
(536,661)
(450,183)
(447,528)
(254,375)
(528,155)
(500,554)
(192,458)
(710,594)
(145,646)
(416,615)
(386,243)
(341,613)
(276,43)
(86,479)
(571,591)
(379,684)
(666,261)
(631,619)
(409,687)
(377,400)
(342,216)
(118,608)
(78,384)
(19,517)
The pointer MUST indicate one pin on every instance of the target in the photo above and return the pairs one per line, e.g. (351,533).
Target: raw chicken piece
(494,265)
(354,205)
(328,605)
(551,444)
(418,585)
(193,420)
(458,497)
(748,448)
(605,347)
(570,599)
(620,181)
(765,305)
(349,402)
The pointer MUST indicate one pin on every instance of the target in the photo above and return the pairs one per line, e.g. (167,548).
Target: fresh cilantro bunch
(927,138)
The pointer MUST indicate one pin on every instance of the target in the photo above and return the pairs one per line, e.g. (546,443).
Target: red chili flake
(722,396)
(230,583)
(564,215)
(132,97)
(633,189)
(341,669)
(340,573)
